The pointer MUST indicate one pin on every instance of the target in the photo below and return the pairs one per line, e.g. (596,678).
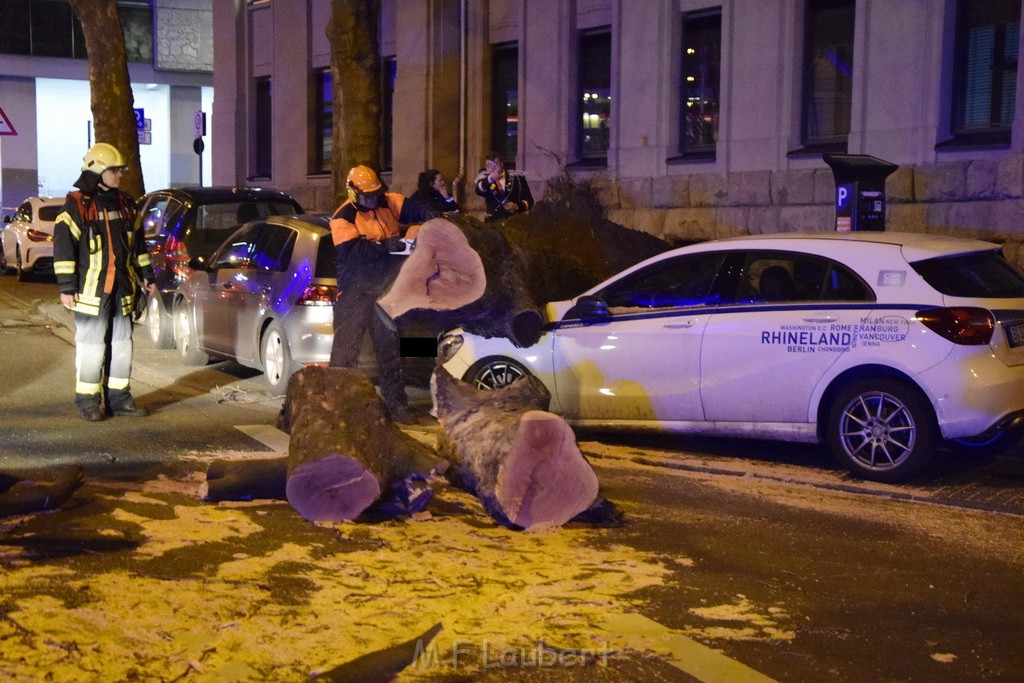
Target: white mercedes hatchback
(880,345)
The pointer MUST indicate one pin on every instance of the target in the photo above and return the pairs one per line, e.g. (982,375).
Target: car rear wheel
(494,373)
(158,323)
(276,359)
(186,339)
(882,429)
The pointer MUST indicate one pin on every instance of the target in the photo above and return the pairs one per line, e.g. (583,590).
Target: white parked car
(27,240)
(880,345)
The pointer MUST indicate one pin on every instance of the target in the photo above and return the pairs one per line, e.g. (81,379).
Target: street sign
(140,118)
(6,127)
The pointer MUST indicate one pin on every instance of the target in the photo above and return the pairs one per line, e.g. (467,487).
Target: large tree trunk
(493,279)
(110,87)
(345,450)
(520,460)
(356,77)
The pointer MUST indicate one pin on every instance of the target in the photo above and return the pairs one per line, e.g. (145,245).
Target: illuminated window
(505,102)
(323,117)
(985,82)
(828,73)
(701,69)
(595,95)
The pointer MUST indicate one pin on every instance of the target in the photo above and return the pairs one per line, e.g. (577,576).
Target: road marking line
(696,659)
(270,436)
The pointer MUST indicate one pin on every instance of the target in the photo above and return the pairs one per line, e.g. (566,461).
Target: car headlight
(448,347)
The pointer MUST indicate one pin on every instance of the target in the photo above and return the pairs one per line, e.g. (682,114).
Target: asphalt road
(737,560)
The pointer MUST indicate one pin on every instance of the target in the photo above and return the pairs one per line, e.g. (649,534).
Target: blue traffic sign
(140,118)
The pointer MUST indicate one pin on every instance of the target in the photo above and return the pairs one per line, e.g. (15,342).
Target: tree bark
(345,450)
(110,86)
(356,77)
(520,460)
(493,279)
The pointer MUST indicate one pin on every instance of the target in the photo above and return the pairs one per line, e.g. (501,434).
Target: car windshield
(982,274)
(49,213)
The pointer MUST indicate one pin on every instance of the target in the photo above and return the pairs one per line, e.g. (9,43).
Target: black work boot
(89,407)
(121,403)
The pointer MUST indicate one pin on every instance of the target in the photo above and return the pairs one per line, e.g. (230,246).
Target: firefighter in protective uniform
(367,232)
(100,259)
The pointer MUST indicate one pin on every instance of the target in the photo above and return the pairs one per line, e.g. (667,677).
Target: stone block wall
(980,198)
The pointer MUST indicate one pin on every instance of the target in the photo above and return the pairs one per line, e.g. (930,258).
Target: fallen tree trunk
(520,460)
(493,279)
(345,450)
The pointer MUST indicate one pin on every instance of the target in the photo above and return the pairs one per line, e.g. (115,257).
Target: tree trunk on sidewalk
(520,460)
(110,86)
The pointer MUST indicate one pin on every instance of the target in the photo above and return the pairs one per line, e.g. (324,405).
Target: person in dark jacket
(367,230)
(100,260)
(432,193)
(505,192)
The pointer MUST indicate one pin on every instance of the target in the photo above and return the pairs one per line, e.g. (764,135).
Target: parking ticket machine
(860,190)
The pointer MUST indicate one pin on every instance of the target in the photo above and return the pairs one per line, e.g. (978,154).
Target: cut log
(344,449)
(493,279)
(520,460)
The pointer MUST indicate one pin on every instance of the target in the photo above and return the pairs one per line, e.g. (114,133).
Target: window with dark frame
(49,28)
(389,69)
(985,70)
(700,78)
(594,95)
(828,74)
(323,115)
(262,130)
(505,101)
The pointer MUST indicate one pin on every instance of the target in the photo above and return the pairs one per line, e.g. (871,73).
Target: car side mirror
(590,307)
(198,263)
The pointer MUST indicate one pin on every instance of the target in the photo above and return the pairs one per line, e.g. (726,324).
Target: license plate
(1015,333)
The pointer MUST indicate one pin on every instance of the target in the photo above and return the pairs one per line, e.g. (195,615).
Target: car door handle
(821,319)
(680,326)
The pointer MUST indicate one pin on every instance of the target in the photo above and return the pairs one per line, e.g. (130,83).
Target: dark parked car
(191,222)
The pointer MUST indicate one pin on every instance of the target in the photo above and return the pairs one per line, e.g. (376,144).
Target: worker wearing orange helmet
(368,230)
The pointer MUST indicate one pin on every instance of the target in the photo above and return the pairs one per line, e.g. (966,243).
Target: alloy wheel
(877,430)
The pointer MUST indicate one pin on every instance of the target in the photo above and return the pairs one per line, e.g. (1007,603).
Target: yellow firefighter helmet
(102,156)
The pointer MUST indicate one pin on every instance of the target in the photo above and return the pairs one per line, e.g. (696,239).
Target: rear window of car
(982,274)
(49,213)
(216,222)
(325,258)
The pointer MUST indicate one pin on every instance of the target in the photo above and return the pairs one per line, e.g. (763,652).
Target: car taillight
(318,295)
(962,325)
(39,236)
(177,258)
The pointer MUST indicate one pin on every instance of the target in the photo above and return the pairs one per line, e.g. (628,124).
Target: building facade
(44,93)
(695,118)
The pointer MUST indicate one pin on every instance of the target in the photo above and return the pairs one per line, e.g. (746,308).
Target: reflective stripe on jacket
(81,253)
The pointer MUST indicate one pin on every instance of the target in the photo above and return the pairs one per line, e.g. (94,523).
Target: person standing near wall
(432,193)
(99,260)
(506,192)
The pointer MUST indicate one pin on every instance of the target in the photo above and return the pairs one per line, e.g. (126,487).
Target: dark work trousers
(103,353)
(355,313)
